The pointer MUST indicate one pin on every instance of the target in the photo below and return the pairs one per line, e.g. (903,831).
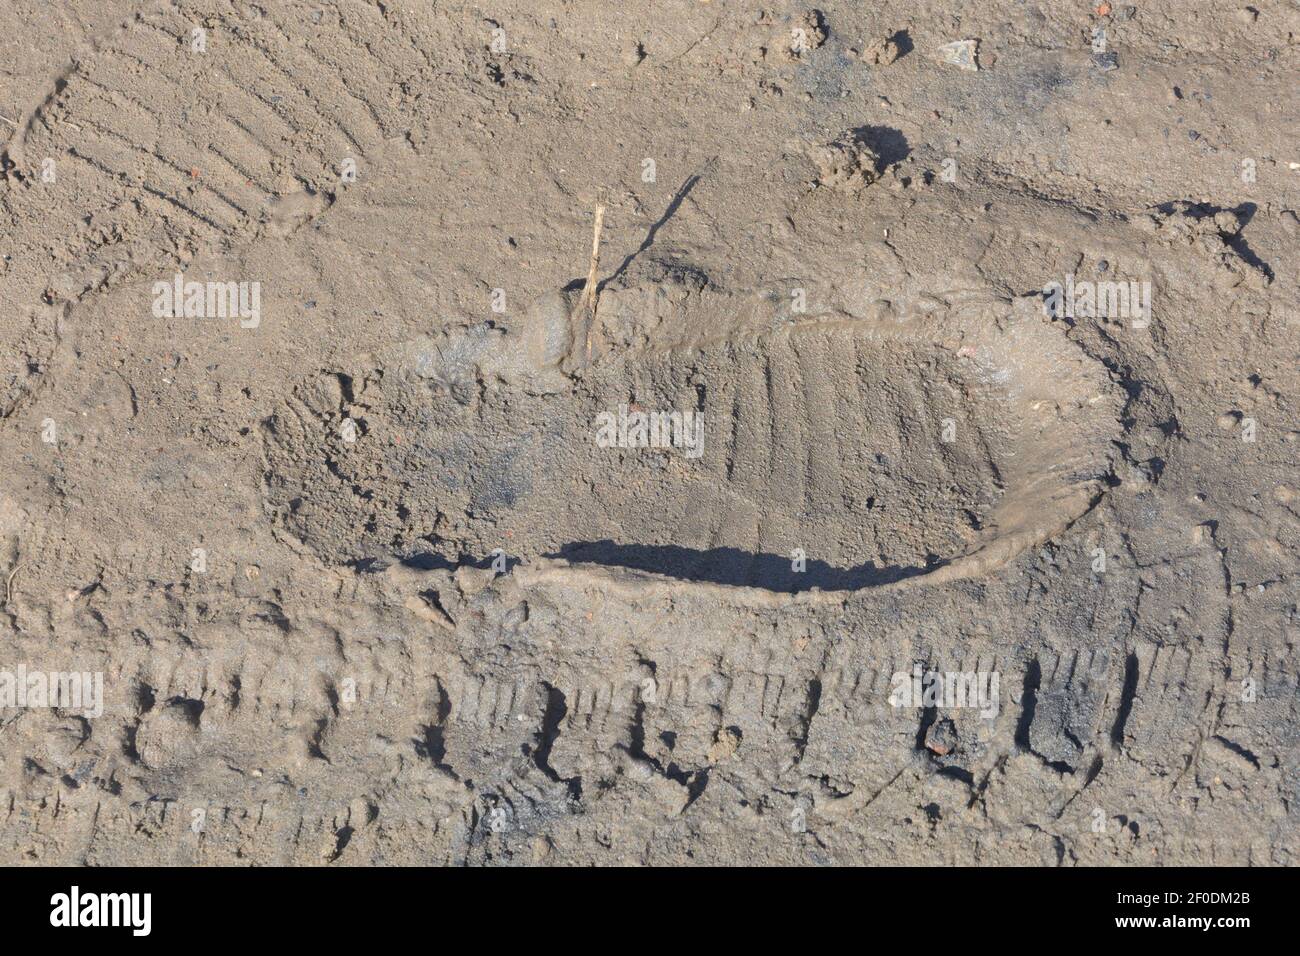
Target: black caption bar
(341,906)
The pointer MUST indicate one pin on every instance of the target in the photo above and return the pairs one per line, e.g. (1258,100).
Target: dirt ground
(969,532)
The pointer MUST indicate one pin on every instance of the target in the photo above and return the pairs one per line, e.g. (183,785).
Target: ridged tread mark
(787,416)
(249,178)
(298,128)
(949,453)
(773,444)
(845,412)
(718,405)
(1161,677)
(315,108)
(989,459)
(855,389)
(173,170)
(256,149)
(1166,667)
(785,473)
(733,420)
(920,432)
(395,27)
(100,73)
(752,448)
(379,31)
(395,76)
(256,103)
(716,521)
(254,194)
(156,193)
(157,43)
(823,448)
(147,171)
(330,68)
(858,381)
(883,441)
(237,171)
(138,40)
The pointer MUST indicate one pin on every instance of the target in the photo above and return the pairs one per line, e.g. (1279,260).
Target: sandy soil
(973,327)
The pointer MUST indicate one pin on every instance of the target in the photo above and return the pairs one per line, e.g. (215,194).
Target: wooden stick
(587,301)
(9,584)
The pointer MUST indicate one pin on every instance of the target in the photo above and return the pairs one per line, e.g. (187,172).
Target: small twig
(587,301)
(9,584)
(8,120)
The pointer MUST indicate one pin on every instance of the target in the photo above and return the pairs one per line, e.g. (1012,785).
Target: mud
(910,356)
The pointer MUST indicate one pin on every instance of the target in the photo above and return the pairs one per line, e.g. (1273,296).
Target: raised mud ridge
(923,441)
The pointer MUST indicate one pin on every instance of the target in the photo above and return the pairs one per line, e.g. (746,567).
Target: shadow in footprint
(430,561)
(734,567)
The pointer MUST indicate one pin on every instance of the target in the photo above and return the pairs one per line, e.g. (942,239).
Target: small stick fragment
(9,584)
(8,120)
(586,307)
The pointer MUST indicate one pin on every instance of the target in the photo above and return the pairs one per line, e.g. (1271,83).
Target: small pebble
(961,54)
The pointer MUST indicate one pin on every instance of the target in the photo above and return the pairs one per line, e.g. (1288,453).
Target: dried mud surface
(281,540)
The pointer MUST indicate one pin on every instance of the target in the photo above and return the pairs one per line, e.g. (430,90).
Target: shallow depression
(834,454)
